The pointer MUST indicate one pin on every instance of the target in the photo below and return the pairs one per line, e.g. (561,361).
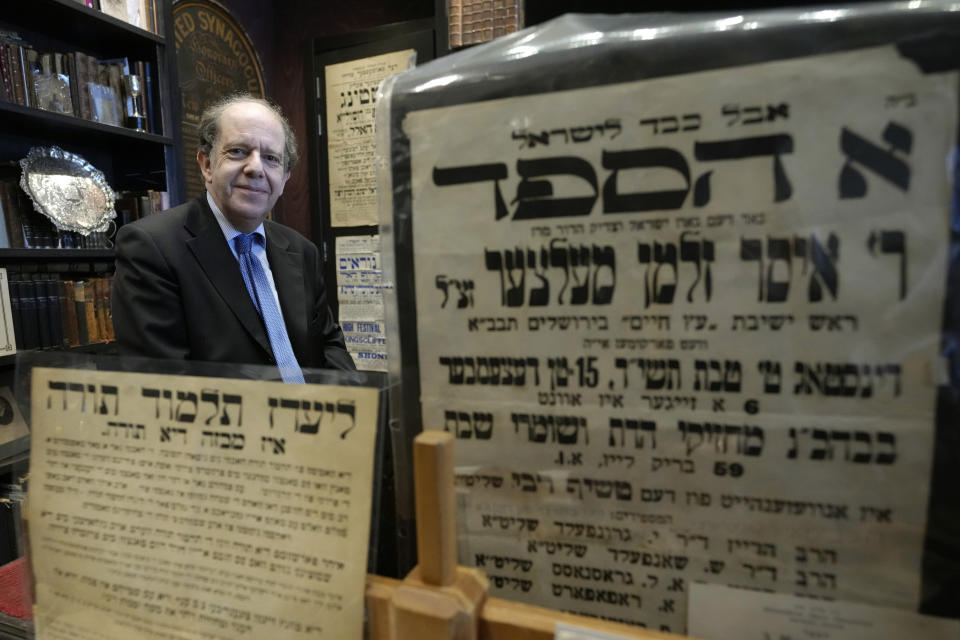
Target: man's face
(245,170)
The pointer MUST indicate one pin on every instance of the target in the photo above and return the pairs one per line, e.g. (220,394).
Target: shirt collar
(229,232)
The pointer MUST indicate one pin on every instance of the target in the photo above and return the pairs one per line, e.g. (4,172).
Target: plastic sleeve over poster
(685,328)
(169,506)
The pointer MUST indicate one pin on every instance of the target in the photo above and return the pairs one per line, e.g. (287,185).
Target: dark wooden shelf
(19,255)
(102,348)
(82,27)
(19,117)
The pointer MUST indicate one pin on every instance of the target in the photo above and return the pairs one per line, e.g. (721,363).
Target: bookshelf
(130,160)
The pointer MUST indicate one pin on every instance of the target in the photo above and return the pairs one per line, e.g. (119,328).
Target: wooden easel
(439,600)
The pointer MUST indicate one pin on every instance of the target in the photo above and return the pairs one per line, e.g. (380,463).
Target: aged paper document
(351,89)
(720,613)
(173,507)
(360,289)
(686,329)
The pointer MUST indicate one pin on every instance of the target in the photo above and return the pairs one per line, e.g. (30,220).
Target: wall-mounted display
(215,58)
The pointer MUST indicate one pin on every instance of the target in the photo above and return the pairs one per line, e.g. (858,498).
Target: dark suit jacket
(178,293)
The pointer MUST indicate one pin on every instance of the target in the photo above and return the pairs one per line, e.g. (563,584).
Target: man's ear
(283,181)
(204,161)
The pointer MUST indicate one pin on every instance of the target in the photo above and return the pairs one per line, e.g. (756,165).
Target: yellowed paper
(181,507)
(351,89)
(687,329)
(718,612)
(8,343)
(360,288)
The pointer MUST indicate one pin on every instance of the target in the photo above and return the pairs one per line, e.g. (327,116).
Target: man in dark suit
(214,280)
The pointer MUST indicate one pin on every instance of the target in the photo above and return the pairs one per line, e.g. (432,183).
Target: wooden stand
(439,600)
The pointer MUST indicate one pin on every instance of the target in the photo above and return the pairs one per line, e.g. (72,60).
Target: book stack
(476,21)
(50,311)
(133,205)
(146,14)
(26,228)
(116,91)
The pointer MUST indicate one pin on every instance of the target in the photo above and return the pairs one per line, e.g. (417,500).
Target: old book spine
(32,70)
(80,304)
(70,60)
(90,312)
(16,74)
(71,331)
(99,308)
(26,76)
(108,303)
(5,89)
(52,289)
(43,312)
(29,319)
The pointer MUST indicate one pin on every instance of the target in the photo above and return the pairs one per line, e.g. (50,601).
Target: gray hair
(210,126)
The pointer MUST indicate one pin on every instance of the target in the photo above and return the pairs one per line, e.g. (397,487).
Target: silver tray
(68,190)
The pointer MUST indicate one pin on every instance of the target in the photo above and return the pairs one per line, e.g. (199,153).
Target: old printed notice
(360,287)
(169,507)
(686,330)
(351,89)
(720,612)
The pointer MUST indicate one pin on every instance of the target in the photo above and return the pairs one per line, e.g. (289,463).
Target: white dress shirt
(259,248)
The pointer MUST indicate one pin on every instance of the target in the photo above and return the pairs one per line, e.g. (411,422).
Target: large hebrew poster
(175,507)
(686,329)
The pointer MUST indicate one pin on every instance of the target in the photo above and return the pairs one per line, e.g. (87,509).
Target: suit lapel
(287,267)
(210,249)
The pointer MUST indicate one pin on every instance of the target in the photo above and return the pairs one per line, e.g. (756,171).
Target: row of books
(26,228)
(47,311)
(112,91)
(146,14)
(133,205)
(476,21)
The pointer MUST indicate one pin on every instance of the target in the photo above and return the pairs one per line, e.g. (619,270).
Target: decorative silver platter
(68,190)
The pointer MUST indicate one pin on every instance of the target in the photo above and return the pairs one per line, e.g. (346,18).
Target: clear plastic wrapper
(180,499)
(684,289)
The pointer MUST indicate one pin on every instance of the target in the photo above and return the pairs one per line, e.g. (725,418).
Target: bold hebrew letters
(882,162)
(616,161)
(535,196)
(892,242)
(699,253)
(476,173)
(738,149)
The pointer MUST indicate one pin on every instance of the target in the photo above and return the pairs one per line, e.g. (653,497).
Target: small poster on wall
(351,89)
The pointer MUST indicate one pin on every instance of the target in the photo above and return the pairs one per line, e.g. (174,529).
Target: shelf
(7,255)
(100,348)
(19,117)
(82,27)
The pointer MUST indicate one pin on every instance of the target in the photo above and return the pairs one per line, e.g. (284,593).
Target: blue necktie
(259,288)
